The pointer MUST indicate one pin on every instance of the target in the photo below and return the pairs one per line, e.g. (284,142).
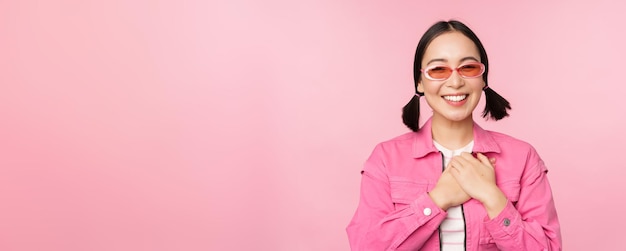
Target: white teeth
(455,98)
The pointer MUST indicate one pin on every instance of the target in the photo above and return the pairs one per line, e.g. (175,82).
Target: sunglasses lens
(439,72)
(471,70)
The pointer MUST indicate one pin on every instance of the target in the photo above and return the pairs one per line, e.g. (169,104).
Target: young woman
(451,185)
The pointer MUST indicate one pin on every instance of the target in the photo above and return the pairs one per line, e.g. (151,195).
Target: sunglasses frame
(427,76)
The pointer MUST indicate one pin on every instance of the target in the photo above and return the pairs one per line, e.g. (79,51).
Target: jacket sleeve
(531,224)
(378,224)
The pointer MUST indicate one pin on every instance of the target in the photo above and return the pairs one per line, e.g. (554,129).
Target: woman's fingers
(460,161)
(484,159)
(466,159)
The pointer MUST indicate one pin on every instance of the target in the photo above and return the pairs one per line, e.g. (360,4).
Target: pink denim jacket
(396,213)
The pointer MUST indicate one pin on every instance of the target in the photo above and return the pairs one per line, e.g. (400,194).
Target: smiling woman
(438,188)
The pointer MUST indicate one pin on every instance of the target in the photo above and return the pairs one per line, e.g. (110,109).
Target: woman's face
(455,98)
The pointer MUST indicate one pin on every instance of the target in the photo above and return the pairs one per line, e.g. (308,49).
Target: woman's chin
(457,117)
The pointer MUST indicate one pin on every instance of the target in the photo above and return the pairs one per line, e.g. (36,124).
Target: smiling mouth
(455,98)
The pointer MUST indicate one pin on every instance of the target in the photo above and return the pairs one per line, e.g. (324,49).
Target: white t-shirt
(453,227)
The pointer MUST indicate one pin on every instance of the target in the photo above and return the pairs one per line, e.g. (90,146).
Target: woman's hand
(477,178)
(448,193)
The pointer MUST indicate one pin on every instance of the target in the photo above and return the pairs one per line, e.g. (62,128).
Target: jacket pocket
(405,191)
(489,245)
(511,190)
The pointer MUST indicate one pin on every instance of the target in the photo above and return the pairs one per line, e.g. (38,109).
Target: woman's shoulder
(402,142)
(509,143)
(402,139)
(409,136)
(499,136)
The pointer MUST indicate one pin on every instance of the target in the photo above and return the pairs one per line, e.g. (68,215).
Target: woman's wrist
(438,200)
(494,202)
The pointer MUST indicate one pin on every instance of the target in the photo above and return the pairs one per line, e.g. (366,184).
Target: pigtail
(411,113)
(495,105)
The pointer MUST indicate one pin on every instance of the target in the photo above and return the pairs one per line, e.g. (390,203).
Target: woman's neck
(453,134)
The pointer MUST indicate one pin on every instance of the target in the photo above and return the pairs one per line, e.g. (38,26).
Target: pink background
(243,125)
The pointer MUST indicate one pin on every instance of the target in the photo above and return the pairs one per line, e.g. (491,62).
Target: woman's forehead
(451,47)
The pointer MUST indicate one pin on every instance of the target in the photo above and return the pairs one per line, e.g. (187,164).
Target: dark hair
(495,105)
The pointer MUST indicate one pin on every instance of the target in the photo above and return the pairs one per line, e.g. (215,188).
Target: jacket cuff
(428,213)
(505,223)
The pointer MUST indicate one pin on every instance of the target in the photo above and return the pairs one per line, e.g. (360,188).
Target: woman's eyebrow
(445,60)
(437,60)
(469,58)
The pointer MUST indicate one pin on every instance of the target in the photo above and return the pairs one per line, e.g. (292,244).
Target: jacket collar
(423,141)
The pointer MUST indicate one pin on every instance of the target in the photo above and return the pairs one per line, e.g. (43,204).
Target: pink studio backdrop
(243,125)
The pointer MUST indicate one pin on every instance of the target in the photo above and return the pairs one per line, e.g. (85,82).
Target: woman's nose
(455,80)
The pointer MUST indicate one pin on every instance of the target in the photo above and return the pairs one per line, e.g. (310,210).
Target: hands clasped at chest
(465,178)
